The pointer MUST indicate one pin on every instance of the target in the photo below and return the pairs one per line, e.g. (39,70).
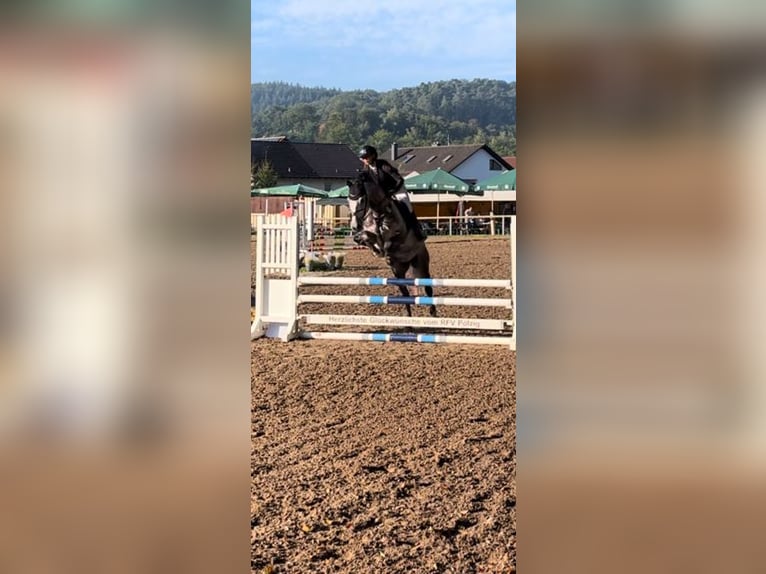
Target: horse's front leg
(384,235)
(406,293)
(372,242)
(431,308)
(399,272)
(420,270)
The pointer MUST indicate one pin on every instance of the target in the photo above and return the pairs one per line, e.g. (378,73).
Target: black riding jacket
(387,176)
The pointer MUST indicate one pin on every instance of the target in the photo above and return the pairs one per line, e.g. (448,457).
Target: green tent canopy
(499,182)
(333,201)
(437,181)
(340,192)
(292,190)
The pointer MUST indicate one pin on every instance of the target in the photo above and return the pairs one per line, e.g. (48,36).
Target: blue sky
(364,44)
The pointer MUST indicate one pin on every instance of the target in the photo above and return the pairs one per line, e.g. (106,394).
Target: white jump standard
(277,298)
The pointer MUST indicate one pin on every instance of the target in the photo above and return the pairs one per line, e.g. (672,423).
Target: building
(510,160)
(324,166)
(470,162)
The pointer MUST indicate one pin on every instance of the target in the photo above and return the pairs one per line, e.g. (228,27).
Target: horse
(386,234)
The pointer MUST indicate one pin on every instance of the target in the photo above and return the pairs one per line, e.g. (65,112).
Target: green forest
(448,112)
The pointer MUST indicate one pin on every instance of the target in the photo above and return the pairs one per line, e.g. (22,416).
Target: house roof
(447,157)
(510,160)
(305,160)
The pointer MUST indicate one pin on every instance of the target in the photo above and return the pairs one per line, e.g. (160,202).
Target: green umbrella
(340,192)
(501,181)
(333,201)
(438,181)
(292,190)
(505,181)
(434,181)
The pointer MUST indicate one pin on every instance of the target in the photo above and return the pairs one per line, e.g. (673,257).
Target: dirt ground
(387,457)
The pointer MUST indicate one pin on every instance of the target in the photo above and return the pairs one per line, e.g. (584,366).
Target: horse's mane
(374,191)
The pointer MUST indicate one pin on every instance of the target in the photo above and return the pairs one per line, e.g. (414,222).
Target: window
(446,159)
(327,186)
(430,159)
(407,158)
(494,165)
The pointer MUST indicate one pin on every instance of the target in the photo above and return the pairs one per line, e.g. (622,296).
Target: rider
(392,183)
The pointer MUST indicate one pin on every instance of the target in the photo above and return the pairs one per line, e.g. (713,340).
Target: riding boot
(419,233)
(411,220)
(416,227)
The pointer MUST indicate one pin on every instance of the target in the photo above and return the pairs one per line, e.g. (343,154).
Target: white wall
(475,167)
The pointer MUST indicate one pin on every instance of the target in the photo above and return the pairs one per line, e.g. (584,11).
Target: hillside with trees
(267,94)
(452,111)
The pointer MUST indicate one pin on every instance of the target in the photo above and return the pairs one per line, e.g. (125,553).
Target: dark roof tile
(305,160)
(447,157)
(329,160)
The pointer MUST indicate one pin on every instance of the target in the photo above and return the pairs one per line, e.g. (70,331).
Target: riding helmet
(368,152)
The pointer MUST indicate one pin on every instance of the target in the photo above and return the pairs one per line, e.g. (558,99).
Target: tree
(301,121)
(382,139)
(339,128)
(263,174)
(454,111)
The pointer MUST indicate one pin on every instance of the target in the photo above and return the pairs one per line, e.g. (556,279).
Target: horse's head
(355,188)
(377,197)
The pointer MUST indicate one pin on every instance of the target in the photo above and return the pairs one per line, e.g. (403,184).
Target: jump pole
(277,297)
(406,338)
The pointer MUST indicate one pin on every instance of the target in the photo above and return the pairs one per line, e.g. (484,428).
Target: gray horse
(386,234)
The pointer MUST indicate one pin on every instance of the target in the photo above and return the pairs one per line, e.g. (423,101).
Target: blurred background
(124,353)
(124,356)
(641,398)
